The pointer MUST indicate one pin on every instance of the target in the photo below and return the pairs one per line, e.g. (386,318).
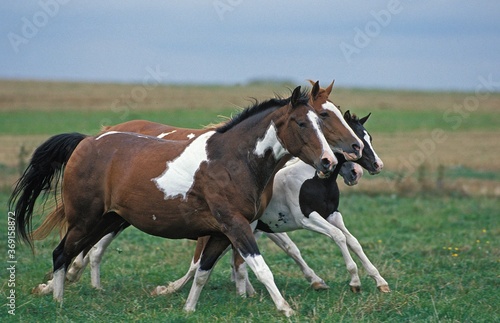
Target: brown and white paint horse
(338,134)
(208,186)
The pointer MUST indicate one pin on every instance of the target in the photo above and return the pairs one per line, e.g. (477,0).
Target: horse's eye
(323,114)
(301,124)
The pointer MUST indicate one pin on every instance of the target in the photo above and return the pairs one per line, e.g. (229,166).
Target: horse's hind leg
(179,283)
(283,241)
(213,251)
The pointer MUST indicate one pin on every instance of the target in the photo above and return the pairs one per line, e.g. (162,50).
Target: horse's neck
(258,145)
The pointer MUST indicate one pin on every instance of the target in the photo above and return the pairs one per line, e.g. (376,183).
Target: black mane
(276,102)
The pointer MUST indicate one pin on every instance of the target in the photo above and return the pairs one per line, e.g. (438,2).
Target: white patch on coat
(191,136)
(107,134)
(121,132)
(178,177)
(270,141)
(163,134)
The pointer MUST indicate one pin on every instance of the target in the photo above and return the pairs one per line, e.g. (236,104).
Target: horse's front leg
(317,223)
(353,243)
(239,275)
(283,241)
(241,235)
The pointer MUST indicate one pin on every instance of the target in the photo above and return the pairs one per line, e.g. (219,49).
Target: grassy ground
(429,222)
(439,255)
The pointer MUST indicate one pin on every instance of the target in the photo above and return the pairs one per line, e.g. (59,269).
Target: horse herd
(271,169)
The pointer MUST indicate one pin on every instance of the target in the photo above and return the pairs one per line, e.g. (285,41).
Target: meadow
(429,221)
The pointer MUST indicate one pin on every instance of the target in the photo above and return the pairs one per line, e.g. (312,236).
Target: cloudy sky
(440,44)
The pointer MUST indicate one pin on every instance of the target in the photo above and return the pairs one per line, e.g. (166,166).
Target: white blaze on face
(178,177)
(163,134)
(313,117)
(368,141)
(270,141)
(331,107)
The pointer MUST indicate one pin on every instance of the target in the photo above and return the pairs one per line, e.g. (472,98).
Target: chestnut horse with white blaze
(208,186)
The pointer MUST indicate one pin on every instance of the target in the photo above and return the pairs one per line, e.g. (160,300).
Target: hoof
(287,311)
(384,289)
(356,289)
(320,285)
(41,289)
(159,290)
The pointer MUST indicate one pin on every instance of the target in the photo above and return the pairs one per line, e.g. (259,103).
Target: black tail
(46,165)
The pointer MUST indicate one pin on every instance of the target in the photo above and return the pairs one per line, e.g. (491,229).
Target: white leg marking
(95,257)
(58,282)
(179,283)
(316,223)
(283,241)
(353,243)
(200,279)
(265,276)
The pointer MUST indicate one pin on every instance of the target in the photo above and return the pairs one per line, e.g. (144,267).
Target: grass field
(429,222)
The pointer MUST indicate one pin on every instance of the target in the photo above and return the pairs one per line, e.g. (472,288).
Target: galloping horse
(208,186)
(338,134)
(301,200)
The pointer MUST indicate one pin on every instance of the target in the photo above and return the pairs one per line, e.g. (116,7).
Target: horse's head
(351,173)
(339,135)
(302,135)
(370,160)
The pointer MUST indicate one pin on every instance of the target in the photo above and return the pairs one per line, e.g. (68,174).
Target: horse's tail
(45,167)
(56,218)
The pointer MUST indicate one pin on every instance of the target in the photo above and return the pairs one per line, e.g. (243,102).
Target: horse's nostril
(356,147)
(325,162)
(375,164)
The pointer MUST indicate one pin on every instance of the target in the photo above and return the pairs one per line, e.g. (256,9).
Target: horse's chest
(319,195)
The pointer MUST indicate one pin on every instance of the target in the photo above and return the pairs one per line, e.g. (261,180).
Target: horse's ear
(363,120)
(347,115)
(315,90)
(295,96)
(312,82)
(329,88)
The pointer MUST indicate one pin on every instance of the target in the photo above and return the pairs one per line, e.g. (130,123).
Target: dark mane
(276,102)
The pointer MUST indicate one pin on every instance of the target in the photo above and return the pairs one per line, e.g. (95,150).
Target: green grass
(23,122)
(439,255)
